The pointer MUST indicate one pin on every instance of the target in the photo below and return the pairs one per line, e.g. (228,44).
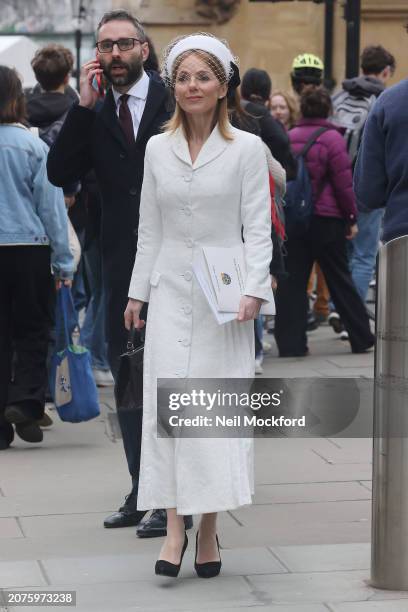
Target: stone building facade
(269,35)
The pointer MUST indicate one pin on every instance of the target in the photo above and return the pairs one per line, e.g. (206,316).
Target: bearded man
(110,137)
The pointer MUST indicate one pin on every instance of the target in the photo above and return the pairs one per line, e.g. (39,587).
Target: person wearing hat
(307,69)
(203,181)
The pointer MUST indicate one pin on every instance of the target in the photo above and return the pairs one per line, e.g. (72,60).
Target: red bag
(276,214)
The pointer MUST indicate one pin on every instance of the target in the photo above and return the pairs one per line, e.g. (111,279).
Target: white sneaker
(103,378)
(258,366)
(336,323)
(344,335)
(266,345)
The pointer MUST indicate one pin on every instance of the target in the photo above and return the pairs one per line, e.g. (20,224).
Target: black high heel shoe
(209,569)
(165,568)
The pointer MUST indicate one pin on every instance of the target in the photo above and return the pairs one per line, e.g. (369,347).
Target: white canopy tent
(17,52)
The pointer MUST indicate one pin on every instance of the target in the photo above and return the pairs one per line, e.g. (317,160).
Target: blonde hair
(293,105)
(179,118)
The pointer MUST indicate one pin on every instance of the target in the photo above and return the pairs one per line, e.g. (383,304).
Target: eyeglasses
(202,76)
(124,44)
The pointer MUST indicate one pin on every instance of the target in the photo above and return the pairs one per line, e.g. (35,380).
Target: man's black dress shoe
(6,435)
(127,515)
(156,525)
(26,427)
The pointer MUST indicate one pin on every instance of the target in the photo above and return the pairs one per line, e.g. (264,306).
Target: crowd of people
(112,189)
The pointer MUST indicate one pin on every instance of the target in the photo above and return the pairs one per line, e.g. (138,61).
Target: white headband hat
(203,42)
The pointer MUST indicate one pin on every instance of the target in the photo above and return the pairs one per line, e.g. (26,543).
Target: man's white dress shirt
(137,100)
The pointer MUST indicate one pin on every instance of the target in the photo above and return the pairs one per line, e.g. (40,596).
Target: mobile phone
(100,85)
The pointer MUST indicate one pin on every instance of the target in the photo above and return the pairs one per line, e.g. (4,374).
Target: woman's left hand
(249,307)
(352,231)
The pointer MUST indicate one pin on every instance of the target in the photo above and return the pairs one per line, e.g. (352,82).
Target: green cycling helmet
(307,69)
(308,61)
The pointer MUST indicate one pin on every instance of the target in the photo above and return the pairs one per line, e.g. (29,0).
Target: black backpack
(299,200)
(50,133)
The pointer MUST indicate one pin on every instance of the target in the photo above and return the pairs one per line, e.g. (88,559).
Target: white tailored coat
(185,206)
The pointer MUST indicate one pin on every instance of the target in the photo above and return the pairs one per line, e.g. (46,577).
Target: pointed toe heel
(165,568)
(209,569)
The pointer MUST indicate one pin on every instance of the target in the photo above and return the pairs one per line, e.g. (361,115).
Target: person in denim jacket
(34,251)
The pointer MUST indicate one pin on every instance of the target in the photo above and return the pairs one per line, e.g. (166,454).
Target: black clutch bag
(129,382)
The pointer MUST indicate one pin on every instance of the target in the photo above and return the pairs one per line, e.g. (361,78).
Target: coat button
(188,179)
(189,243)
(187,309)
(185,342)
(187,211)
(133,191)
(188,275)
(122,155)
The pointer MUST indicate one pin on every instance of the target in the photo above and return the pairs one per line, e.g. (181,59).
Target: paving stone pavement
(303,546)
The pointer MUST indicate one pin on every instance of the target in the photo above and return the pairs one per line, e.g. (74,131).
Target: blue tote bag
(72,384)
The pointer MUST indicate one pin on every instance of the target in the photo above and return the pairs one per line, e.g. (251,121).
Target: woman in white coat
(203,181)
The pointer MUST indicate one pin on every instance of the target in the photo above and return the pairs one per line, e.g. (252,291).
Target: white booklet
(221,274)
(201,274)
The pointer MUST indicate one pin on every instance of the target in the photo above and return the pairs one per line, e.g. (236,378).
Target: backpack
(50,133)
(299,203)
(351,112)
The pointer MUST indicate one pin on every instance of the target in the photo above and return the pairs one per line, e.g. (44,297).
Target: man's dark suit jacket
(93,139)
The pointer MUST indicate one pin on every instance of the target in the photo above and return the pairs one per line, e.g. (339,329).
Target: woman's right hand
(59,282)
(132,313)
(274,283)
(88,95)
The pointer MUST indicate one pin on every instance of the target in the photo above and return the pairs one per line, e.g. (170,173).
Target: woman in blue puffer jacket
(34,253)
(333,222)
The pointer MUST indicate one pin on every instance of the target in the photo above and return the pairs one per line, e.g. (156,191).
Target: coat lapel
(180,146)
(212,148)
(155,98)
(108,114)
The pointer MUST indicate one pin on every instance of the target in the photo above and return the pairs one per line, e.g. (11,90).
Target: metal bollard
(389,556)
